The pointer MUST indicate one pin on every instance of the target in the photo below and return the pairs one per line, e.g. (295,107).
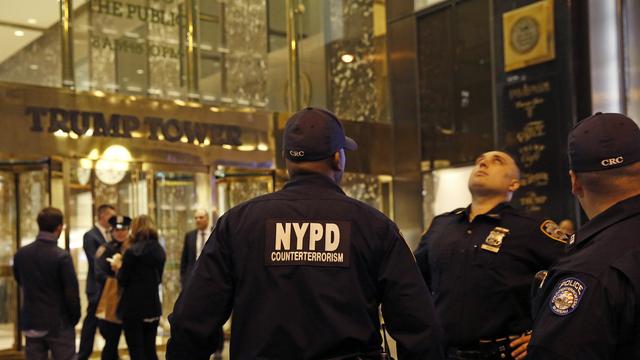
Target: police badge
(566,296)
(494,240)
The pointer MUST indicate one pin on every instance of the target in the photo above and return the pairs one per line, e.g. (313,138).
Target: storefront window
(31,43)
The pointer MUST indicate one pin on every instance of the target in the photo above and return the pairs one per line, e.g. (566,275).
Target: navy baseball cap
(314,134)
(120,222)
(603,141)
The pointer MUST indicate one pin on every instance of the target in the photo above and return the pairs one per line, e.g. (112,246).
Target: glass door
(235,186)
(25,189)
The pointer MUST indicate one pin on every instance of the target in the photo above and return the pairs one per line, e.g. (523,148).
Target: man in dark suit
(92,240)
(193,243)
(51,300)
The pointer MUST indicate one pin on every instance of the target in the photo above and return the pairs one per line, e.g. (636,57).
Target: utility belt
(489,349)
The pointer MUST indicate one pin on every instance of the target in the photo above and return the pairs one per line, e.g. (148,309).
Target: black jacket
(588,307)
(51,299)
(482,290)
(315,296)
(91,241)
(139,278)
(188,258)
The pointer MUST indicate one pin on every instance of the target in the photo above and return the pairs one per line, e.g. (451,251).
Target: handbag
(109,300)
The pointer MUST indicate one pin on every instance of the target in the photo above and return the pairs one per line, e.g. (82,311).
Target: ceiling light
(32,21)
(18,33)
(347,58)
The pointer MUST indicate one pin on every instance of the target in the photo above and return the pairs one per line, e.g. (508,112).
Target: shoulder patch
(100,251)
(566,296)
(552,230)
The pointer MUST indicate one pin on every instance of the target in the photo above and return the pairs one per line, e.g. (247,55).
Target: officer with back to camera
(480,261)
(588,307)
(305,269)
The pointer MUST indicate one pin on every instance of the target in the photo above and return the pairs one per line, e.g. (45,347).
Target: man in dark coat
(51,300)
(193,243)
(305,269)
(98,235)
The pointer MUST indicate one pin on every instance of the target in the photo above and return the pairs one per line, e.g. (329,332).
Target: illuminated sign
(98,124)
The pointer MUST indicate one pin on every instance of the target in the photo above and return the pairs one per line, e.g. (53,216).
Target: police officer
(108,323)
(479,262)
(306,268)
(589,305)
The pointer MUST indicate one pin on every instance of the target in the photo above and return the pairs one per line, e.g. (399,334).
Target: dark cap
(120,222)
(314,134)
(603,141)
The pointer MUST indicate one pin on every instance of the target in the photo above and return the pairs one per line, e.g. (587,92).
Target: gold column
(292,8)
(66,29)
(193,86)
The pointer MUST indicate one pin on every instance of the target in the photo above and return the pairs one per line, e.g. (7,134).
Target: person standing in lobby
(193,243)
(50,306)
(139,276)
(98,235)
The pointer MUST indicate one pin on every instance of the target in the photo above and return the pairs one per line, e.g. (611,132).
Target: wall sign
(92,123)
(528,36)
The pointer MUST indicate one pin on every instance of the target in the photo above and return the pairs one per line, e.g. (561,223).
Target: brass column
(66,29)
(292,9)
(193,86)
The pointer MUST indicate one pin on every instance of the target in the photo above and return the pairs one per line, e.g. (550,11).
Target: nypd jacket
(304,270)
(589,305)
(481,271)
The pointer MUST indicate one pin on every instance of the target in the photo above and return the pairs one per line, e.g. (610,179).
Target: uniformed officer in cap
(589,305)
(305,269)
(479,262)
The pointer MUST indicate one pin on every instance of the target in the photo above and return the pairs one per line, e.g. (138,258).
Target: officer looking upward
(479,262)
(588,307)
(305,269)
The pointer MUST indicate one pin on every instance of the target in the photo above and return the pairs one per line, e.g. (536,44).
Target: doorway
(25,188)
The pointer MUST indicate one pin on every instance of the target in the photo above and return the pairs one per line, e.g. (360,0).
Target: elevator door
(24,191)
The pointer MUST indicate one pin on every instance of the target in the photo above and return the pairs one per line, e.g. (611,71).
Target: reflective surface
(223,53)
(176,200)
(23,193)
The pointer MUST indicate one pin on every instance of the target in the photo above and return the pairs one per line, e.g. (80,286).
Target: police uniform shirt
(304,270)
(593,292)
(480,272)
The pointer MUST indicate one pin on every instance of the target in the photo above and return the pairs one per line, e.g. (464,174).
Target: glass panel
(80,220)
(176,200)
(235,189)
(31,43)
(8,236)
(370,189)
(134,47)
(356,60)
(128,195)
(342,52)
(33,194)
